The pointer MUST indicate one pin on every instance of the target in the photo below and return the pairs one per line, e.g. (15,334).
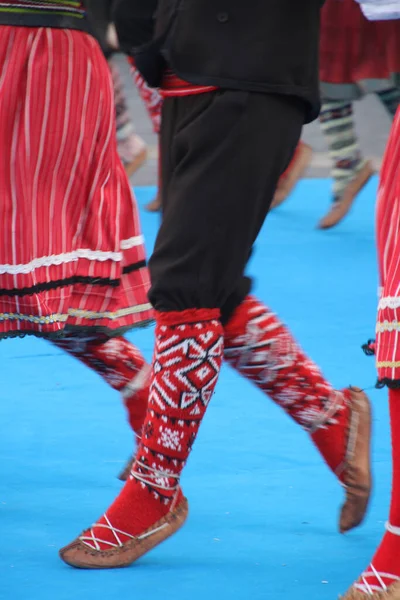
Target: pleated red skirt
(72,255)
(353,49)
(388,238)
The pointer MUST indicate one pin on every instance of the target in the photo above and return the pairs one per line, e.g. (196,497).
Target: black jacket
(255,45)
(99,16)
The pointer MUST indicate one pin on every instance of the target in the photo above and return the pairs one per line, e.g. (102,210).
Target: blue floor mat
(263,506)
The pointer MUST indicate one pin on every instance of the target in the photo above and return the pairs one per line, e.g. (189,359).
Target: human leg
(350,170)
(211,219)
(381,578)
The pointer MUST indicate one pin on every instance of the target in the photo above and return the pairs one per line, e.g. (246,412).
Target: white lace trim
(387,326)
(54,318)
(68,257)
(389,302)
(138,240)
(123,312)
(380,10)
(76,313)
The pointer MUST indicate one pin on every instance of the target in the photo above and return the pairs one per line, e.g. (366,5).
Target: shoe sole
(80,556)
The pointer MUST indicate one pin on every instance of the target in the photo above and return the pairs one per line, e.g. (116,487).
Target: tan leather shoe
(295,171)
(340,209)
(391,593)
(81,555)
(355,470)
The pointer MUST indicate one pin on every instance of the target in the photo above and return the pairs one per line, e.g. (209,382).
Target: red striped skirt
(354,50)
(72,255)
(388,239)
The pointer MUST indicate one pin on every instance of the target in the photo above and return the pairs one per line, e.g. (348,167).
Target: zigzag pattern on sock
(262,349)
(187,361)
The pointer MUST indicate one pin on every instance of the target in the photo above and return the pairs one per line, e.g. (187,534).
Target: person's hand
(112,37)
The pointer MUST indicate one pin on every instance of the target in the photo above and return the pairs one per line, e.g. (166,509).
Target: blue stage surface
(263,505)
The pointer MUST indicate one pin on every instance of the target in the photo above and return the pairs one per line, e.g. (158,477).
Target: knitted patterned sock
(337,124)
(262,349)
(385,566)
(150,96)
(390,100)
(129,144)
(121,365)
(187,359)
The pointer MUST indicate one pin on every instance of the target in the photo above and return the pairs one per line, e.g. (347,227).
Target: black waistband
(43,20)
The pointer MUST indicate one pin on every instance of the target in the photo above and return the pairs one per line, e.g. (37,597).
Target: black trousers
(222,154)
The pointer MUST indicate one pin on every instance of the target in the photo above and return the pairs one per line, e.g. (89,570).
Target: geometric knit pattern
(262,349)
(150,96)
(116,360)
(187,360)
(186,367)
(121,365)
(126,138)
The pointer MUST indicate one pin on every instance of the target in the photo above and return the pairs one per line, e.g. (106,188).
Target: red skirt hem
(353,49)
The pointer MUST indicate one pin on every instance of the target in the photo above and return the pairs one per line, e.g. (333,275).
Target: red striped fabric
(354,49)
(388,239)
(71,250)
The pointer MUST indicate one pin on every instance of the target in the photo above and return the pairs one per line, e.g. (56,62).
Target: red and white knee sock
(384,569)
(150,96)
(121,365)
(187,360)
(262,349)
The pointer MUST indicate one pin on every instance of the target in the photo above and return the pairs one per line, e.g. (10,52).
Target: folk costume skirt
(388,239)
(72,256)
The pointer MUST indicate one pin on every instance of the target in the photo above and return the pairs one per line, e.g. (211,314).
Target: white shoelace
(370,589)
(156,478)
